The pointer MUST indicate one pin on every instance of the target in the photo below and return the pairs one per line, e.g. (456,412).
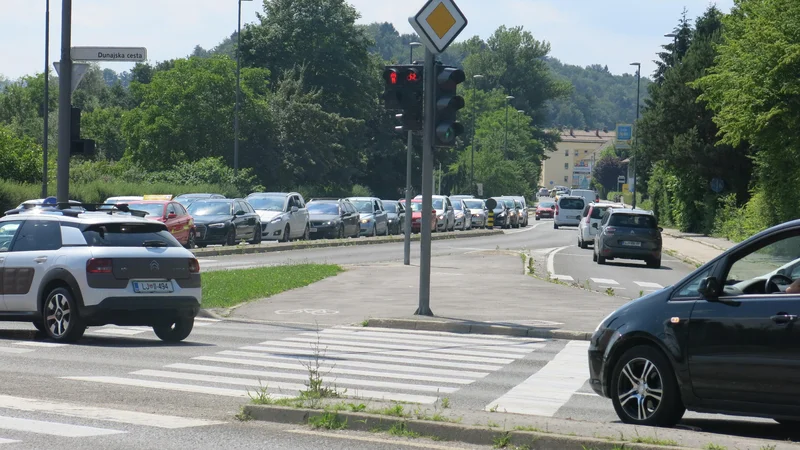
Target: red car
(179,222)
(545,210)
(416,216)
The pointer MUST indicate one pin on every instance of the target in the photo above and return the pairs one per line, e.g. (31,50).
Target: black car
(332,218)
(225,221)
(628,234)
(725,339)
(397,216)
(502,215)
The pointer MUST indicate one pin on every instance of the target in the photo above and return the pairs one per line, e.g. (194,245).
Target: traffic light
(404,91)
(446,129)
(78,146)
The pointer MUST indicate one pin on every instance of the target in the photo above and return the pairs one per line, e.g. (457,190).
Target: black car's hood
(202,220)
(323,217)
(637,308)
(392,215)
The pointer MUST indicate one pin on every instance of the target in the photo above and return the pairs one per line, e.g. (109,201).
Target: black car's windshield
(152,209)
(632,221)
(437,202)
(363,206)
(509,203)
(415,206)
(210,208)
(272,203)
(389,206)
(328,209)
(474,204)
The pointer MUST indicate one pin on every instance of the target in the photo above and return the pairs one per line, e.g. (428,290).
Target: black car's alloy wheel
(644,390)
(230,239)
(174,330)
(256,236)
(340,233)
(62,322)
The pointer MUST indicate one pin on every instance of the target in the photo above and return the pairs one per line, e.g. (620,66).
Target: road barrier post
(490,220)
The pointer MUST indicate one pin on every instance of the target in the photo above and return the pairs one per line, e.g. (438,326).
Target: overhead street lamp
(409,160)
(636,128)
(474,104)
(505,147)
(238,91)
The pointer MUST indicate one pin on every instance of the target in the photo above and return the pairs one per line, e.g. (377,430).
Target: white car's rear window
(129,235)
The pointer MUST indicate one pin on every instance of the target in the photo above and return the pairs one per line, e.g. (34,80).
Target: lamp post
(238,90)
(674,37)
(505,146)
(472,157)
(636,129)
(409,160)
(46,109)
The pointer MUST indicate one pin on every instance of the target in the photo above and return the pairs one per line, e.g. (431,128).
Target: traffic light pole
(64,104)
(429,80)
(409,214)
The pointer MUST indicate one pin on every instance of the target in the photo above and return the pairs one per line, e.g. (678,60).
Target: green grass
(226,288)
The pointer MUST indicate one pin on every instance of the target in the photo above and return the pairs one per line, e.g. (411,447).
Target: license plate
(313,230)
(631,243)
(152,287)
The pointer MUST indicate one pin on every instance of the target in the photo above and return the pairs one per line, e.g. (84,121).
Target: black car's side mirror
(709,288)
(239,213)
(594,225)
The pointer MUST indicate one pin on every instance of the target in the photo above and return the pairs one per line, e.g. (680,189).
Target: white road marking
(7,441)
(647,284)
(439,336)
(304,377)
(96,413)
(562,277)
(514,347)
(350,437)
(604,281)
(551,258)
(53,428)
(149,384)
(588,394)
(528,228)
(270,361)
(117,331)
(357,393)
(40,344)
(15,350)
(546,391)
(206,319)
(616,288)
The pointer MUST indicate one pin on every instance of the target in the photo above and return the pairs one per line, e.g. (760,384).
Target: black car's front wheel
(644,390)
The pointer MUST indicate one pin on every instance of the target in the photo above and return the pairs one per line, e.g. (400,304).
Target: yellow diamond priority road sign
(438,24)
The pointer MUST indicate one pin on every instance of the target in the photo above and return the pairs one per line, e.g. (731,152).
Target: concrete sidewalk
(478,289)
(695,248)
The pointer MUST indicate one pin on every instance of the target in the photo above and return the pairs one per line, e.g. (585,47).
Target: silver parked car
(479,211)
(374,219)
(284,215)
(463,215)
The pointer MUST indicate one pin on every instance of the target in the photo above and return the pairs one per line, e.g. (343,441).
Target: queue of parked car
(202,219)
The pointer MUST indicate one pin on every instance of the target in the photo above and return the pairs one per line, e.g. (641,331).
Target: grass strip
(226,288)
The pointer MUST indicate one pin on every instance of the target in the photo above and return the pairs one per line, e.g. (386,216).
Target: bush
(627,197)
(737,224)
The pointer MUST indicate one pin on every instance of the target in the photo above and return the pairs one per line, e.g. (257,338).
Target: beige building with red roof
(571,164)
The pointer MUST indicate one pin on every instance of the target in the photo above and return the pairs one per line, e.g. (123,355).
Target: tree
(104,125)
(20,158)
(607,171)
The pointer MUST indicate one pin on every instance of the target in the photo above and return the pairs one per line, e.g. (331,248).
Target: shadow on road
(743,428)
(97,341)
(535,324)
(635,265)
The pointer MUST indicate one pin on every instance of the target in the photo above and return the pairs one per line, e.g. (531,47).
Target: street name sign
(624,136)
(438,24)
(135,54)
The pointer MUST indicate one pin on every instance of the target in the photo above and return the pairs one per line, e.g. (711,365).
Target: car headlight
(217,225)
(330,222)
(603,321)
(391,220)
(441,217)
(366,220)
(277,219)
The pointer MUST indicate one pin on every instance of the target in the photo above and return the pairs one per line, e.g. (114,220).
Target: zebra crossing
(70,420)
(364,363)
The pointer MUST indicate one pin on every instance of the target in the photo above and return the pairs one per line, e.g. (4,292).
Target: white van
(569,209)
(588,196)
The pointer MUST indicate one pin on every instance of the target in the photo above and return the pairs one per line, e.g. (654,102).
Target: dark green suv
(628,234)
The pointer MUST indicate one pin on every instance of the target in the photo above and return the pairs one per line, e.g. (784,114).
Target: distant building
(571,164)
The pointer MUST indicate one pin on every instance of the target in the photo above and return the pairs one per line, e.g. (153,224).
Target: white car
(592,214)
(568,211)
(445,216)
(284,215)
(479,211)
(65,270)
(463,214)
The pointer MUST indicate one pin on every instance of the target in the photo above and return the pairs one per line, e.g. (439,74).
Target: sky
(581,32)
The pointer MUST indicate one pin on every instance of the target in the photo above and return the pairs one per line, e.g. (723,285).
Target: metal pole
(236,113)
(505,146)
(409,214)
(46,96)
(64,103)
(636,134)
(424,308)
(472,143)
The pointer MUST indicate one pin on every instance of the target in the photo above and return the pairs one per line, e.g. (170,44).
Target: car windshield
(437,202)
(632,221)
(328,209)
(390,207)
(363,206)
(128,235)
(571,203)
(509,203)
(152,209)
(210,208)
(547,205)
(456,205)
(598,211)
(415,206)
(267,203)
(471,204)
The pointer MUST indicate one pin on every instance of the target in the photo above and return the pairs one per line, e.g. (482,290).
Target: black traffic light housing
(404,91)
(78,146)
(446,128)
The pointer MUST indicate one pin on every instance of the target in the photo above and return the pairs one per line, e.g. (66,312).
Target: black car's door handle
(783,318)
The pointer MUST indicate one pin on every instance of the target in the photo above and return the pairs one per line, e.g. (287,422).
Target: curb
(698,241)
(279,247)
(479,328)
(441,430)
(684,258)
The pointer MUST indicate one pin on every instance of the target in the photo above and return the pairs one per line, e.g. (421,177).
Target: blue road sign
(717,185)
(624,132)
(551,182)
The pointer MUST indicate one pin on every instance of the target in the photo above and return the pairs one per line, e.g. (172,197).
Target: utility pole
(64,103)
(472,141)
(505,147)
(46,109)
(429,79)
(636,130)
(409,162)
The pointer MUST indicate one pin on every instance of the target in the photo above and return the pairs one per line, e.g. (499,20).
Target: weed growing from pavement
(768,447)
(610,291)
(654,441)
(243,416)
(494,408)
(316,390)
(365,322)
(713,446)
(503,440)
(446,402)
(328,421)
(401,429)
(492,424)
(528,428)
